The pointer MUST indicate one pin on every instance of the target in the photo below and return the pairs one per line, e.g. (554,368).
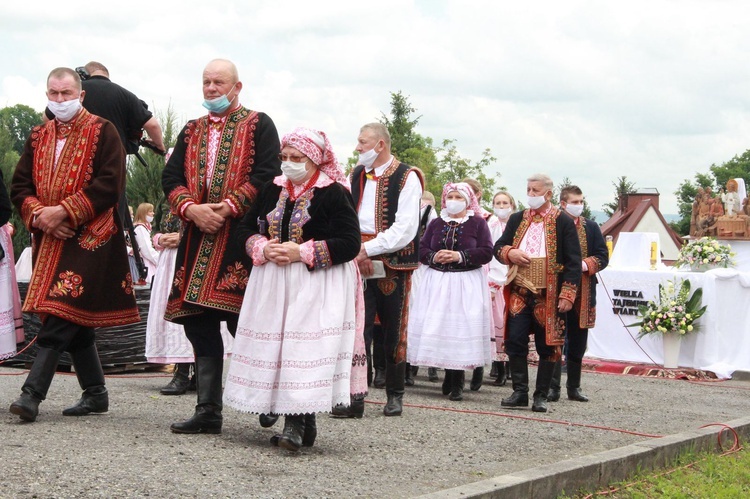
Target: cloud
(582,89)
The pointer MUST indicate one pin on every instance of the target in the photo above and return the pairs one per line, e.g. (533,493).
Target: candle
(653,255)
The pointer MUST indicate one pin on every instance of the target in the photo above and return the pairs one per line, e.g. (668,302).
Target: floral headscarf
(468,194)
(316,146)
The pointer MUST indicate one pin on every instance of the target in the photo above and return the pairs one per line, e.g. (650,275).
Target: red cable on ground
(736,447)
(528,418)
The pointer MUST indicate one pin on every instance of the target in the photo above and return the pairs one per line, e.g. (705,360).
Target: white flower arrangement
(705,251)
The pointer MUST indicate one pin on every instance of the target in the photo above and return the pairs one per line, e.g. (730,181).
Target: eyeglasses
(293,159)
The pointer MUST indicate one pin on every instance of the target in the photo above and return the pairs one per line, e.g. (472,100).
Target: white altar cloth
(722,344)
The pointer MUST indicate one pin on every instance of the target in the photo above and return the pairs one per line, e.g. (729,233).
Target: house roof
(628,220)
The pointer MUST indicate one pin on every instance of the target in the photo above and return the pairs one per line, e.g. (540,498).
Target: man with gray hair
(540,246)
(387,195)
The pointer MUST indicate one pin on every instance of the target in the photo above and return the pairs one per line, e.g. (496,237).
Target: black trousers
(62,335)
(204,332)
(389,299)
(576,338)
(523,323)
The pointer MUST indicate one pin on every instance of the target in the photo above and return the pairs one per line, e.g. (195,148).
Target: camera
(81,70)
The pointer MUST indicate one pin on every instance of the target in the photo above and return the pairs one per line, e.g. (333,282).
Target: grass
(704,475)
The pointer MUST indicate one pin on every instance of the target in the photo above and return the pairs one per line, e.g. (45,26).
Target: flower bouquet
(705,253)
(675,312)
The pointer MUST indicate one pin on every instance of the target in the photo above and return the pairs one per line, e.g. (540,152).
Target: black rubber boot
(493,369)
(311,431)
(502,374)
(207,417)
(268,420)
(574,382)
(519,375)
(447,381)
(409,375)
(543,379)
(554,388)
(476,378)
(180,381)
(432,374)
(294,429)
(394,388)
(356,408)
(34,389)
(457,385)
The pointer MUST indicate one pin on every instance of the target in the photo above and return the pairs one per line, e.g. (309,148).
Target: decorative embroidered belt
(368,237)
(535,275)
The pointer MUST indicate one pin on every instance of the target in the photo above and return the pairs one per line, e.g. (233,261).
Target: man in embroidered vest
(541,248)
(387,194)
(595,257)
(213,175)
(66,186)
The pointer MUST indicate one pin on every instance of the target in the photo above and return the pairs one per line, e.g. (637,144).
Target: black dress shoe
(432,374)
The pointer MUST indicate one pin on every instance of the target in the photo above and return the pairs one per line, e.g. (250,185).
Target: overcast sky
(591,90)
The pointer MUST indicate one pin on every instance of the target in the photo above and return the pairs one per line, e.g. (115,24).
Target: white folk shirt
(405,226)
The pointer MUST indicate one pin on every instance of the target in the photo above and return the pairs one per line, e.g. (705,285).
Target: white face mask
(536,202)
(454,206)
(574,209)
(295,172)
(367,158)
(149,218)
(65,111)
(502,213)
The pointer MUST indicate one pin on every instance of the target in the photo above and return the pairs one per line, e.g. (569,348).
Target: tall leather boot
(356,408)
(574,382)
(180,380)
(207,417)
(34,389)
(519,375)
(476,378)
(493,369)
(502,374)
(91,378)
(447,381)
(543,380)
(294,430)
(394,387)
(457,384)
(311,431)
(409,375)
(554,388)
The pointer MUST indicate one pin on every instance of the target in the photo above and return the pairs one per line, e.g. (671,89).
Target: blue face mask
(219,104)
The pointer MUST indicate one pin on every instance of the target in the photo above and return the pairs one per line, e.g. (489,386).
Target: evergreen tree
(622,187)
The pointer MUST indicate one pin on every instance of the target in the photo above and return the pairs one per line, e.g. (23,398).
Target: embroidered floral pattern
(98,232)
(70,284)
(235,278)
(127,284)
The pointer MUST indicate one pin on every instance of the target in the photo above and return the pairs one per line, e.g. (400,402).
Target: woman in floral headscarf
(449,322)
(294,349)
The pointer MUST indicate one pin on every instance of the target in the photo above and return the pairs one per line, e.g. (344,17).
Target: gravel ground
(436,444)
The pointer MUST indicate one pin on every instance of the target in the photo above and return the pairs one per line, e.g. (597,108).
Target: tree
(409,146)
(737,167)
(622,188)
(18,120)
(8,161)
(685,196)
(144,182)
(452,167)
